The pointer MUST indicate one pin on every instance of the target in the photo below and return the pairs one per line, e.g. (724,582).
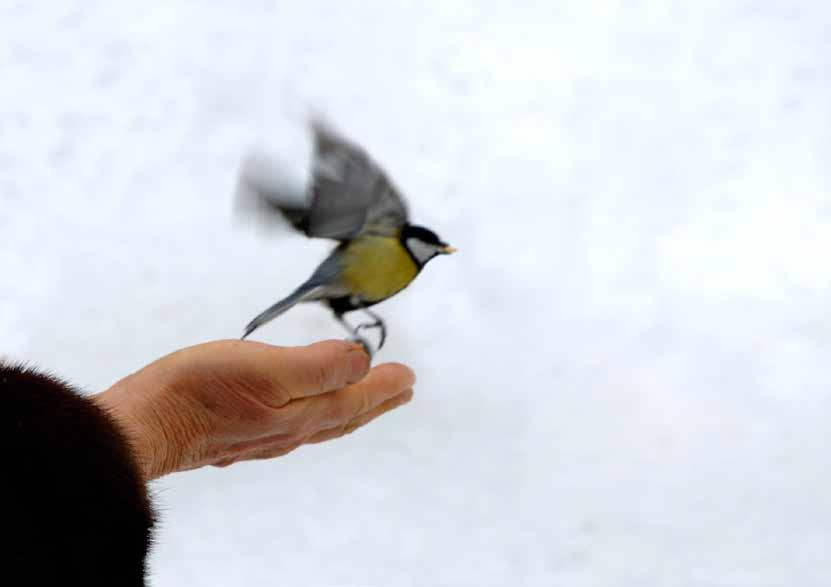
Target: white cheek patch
(422,251)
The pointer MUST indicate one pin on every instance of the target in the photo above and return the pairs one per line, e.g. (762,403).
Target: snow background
(622,375)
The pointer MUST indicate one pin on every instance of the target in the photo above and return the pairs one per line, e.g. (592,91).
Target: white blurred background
(623,375)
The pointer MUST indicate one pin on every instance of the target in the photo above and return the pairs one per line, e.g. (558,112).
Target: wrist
(141,422)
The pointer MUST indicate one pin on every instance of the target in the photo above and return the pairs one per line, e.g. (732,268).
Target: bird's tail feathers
(307,291)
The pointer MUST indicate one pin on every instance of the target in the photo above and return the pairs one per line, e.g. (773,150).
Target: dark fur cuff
(75,508)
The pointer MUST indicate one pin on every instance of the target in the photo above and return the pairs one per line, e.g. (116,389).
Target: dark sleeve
(73,506)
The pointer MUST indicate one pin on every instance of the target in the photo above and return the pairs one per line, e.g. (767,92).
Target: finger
(268,452)
(298,419)
(366,418)
(278,449)
(311,370)
(278,439)
(335,409)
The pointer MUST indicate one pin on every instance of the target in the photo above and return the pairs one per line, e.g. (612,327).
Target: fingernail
(358,363)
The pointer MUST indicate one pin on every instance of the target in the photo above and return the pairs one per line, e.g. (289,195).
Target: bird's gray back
(327,276)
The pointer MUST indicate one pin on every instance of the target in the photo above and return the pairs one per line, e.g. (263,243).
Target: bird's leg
(378,323)
(355,337)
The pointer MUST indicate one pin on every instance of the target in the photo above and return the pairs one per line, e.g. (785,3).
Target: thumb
(318,368)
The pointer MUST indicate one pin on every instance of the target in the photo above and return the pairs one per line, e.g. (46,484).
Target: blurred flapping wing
(350,194)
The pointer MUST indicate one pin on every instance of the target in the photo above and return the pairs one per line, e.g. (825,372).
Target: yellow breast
(377,267)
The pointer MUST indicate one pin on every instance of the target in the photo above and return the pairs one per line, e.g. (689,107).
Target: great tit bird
(349,199)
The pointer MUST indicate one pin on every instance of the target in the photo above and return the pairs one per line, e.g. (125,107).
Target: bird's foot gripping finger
(364,343)
(383,334)
(379,324)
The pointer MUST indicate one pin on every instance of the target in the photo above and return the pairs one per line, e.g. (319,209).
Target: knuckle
(364,403)
(280,394)
(275,451)
(340,363)
(346,406)
(319,375)
(350,427)
(282,441)
(301,421)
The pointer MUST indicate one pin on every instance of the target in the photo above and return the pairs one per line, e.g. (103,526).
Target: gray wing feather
(350,194)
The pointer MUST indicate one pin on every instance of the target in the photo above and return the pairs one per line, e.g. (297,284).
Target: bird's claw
(382,336)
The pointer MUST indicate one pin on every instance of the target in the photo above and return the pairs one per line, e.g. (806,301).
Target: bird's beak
(447,250)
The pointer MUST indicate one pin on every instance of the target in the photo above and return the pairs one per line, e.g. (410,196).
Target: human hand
(226,401)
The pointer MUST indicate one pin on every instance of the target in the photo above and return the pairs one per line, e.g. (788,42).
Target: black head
(423,244)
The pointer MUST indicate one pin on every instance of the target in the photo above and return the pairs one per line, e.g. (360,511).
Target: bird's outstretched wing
(268,192)
(348,193)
